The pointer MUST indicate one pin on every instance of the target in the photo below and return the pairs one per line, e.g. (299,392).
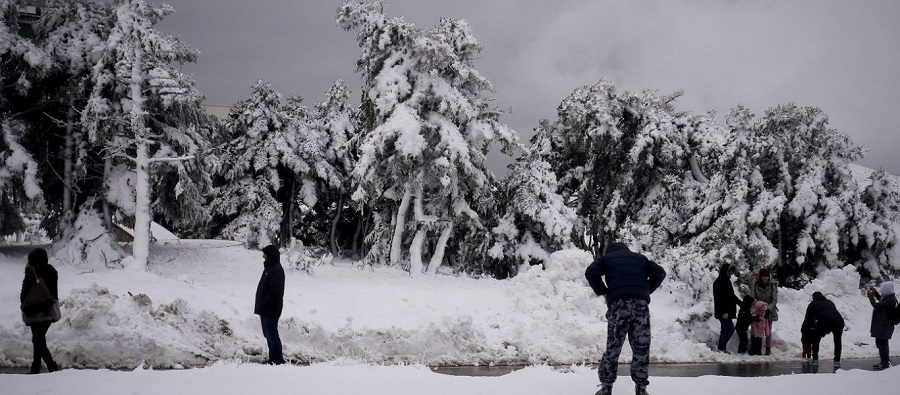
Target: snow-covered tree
(875,229)
(73,34)
(136,82)
(806,162)
(21,64)
(264,167)
(335,124)
(20,191)
(426,130)
(537,220)
(612,152)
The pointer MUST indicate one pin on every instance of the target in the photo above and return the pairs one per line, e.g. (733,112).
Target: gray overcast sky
(841,56)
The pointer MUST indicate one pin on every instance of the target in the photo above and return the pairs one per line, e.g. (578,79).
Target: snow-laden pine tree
(804,160)
(135,110)
(536,220)
(623,160)
(335,124)
(265,164)
(426,130)
(734,207)
(21,64)
(73,34)
(876,230)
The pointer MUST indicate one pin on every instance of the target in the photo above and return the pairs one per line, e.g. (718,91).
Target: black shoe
(880,366)
(52,367)
(605,390)
(35,369)
(640,390)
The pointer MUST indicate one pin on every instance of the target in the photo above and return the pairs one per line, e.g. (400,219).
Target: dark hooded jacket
(744,319)
(37,260)
(724,299)
(629,275)
(822,316)
(270,291)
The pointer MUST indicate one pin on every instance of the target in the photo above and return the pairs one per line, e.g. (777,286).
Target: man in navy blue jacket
(630,279)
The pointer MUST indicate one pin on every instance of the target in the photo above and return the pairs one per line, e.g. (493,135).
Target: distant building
(218,110)
(29,12)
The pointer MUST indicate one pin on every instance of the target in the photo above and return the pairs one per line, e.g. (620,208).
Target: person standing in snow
(742,327)
(38,269)
(725,304)
(881,328)
(630,279)
(758,327)
(766,290)
(270,301)
(822,318)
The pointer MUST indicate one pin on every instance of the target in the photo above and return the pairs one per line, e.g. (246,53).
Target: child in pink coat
(759,328)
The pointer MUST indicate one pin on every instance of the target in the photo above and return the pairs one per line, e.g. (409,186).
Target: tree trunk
(107,216)
(696,171)
(439,249)
(415,253)
(68,213)
(141,246)
(357,235)
(397,240)
(332,236)
(287,208)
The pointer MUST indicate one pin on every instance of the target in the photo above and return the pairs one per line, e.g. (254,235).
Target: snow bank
(195,306)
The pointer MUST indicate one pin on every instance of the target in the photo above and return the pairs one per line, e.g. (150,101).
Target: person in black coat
(38,267)
(742,327)
(270,301)
(822,318)
(725,304)
(881,328)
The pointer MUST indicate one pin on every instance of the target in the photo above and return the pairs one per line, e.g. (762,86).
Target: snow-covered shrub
(305,259)
(88,244)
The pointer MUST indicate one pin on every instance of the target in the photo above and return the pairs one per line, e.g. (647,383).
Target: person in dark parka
(270,301)
(725,304)
(822,318)
(881,328)
(742,327)
(630,279)
(39,266)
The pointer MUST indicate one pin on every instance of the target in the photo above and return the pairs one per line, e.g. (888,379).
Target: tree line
(100,125)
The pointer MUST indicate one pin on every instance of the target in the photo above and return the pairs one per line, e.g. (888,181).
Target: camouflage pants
(629,317)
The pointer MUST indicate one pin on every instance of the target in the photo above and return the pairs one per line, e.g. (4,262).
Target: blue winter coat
(629,275)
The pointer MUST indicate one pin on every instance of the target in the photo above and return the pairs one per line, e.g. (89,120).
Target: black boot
(52,366)
(640,390)
(35,368)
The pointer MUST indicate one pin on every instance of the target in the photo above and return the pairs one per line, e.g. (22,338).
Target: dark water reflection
(690,369)
(656,369)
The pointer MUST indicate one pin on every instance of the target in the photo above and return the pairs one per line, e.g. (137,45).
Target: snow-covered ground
(195,307)
(354,378)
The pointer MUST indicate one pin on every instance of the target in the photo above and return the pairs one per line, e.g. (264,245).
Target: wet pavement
(657,369)
(691,369)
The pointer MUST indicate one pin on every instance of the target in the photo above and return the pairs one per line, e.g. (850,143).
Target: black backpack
(893,315)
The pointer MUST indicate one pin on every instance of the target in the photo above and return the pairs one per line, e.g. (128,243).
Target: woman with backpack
(39,298)
(883,305)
